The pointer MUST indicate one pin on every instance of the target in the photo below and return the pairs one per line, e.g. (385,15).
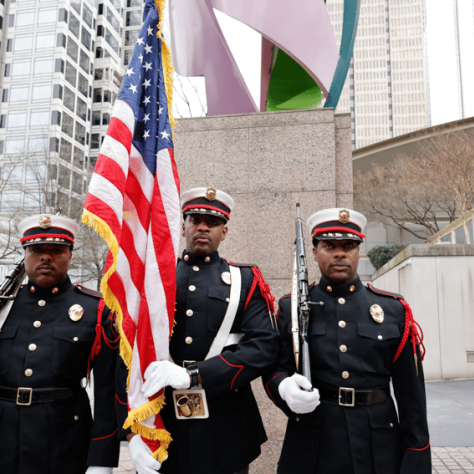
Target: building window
(11,21)
(85,39)
(35,171)
(39,119)
(98,74)
(67,125)
(76,182)
(41,93)
(10,201)
(84,61)
(105,119)
(55,117)
(81,109)
(66,150)
(62,15)
(131,37)
(74,26)
(97,95)
(96,118)
(25,19)
(61,40)
(133,18)
(134,3)
(17,120)
(83,85)
(54,144)
(46,17)
(23,44)
(107,96)
(13,173)
(15,146)
(87,15)
(3,121)
(9,45)
(100,9)
(33,200)
(59,67)
(80,135)
(71,74)
(72,49)
(7,70)
(99,52)
(69,98)
(78,158)
(1,147)
(5,95)
(76,4)
(43,66)
(95,141)
(64,177)
(45,41)
(100,30)
(19,94)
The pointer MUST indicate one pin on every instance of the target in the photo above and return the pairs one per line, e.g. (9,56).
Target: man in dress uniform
(224,337)
(53,335)
(359,339)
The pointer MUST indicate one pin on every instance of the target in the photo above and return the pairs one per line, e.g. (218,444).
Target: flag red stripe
(175,170)
(111,171)
(104,211)
(128,325)
(161,233)
(118,130)
(134,192)
(145,343)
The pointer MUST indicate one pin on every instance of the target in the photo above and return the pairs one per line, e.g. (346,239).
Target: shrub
(381,254)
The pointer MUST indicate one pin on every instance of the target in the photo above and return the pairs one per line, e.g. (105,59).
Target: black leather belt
(185,363)
(25,396)
(349,397)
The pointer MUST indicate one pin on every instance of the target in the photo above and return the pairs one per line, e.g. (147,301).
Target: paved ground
(451,421)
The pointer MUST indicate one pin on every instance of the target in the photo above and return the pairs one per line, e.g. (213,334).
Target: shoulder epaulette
(284,297)
(377,291)
(236,264)
(88,291)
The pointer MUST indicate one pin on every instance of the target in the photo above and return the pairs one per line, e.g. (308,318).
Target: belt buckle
(344,390)
(187,363)
(18,395)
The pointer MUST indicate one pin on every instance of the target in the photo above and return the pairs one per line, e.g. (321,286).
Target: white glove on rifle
(100,470)
(141,456)
(293,391)
(163,373)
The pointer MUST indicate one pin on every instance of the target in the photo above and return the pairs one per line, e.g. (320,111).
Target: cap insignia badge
(211,194)
(344,216)
(377,313)
(226,278)
(44,222)
(76,311)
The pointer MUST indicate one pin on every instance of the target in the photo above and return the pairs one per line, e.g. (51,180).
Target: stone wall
(268,162)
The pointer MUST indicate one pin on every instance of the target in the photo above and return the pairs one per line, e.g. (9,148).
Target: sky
(245,45)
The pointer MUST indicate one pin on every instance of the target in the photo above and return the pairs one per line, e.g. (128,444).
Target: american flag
(133,202)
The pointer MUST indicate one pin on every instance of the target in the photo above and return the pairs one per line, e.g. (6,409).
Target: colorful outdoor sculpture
(300,61)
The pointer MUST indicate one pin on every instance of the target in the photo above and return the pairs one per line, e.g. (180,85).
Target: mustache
(199,236)
(339,263)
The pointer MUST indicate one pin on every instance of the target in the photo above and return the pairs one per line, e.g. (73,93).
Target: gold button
(32,347)
(37,324)
(345,374)
(186,258)
(343,348)
(188,340)
(76,418)
(41,302)
(341,301)
(227,299)
(352,288)
(391,425)
(329,289)
(380,337)
(189,312)
(28,372)
(32,289)
(196,269)
(192,288)
(75,339)
(297,419)
(342,324)
(55,290)
(207,259)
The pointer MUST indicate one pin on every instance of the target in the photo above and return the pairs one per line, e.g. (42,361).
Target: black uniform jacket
(348,348)
(231,437)
(40,347)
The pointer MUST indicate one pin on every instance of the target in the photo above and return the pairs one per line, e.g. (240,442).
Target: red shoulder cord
(411,327)
(265,290)
(99,332)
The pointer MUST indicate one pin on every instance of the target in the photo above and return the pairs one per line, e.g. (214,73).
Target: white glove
(163,373)
(141,456)
(293,391)
(100,470)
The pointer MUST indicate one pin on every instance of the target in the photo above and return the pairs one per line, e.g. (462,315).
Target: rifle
(301,302)
(12,282)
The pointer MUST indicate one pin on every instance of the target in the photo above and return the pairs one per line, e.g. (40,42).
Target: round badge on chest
(377,313)
(226,278)
(76,311)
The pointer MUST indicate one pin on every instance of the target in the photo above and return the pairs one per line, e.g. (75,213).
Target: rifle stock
(11,283)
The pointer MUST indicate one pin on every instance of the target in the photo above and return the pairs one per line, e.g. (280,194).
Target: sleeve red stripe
(422,449)
(105,437)
(236,366)
(266,385)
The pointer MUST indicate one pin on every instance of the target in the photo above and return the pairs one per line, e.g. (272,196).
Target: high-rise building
(60,69)
(387,88)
